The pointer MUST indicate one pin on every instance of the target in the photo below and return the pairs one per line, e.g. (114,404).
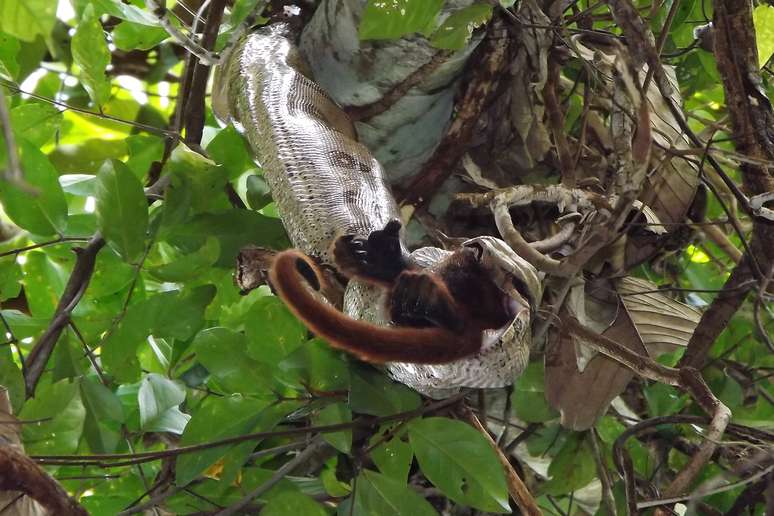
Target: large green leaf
(272,331)
(572,468)
(159,399)
(460,462)
(36,122)
(11,377)
(9,48)
(375,394)
(228,149)
(189,265)
(91,54)
(122,211)
(43,211)
(27,19)
(223,353)
(234,229)
(529,400)
(136,36)
(104,415)
(393,19)
(393,457)
(171,314)
(126,11)
(61,412)
(763,20)
(235,415)
(334,414)
(455,31)
(380,495)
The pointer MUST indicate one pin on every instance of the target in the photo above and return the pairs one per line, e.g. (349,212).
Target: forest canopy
(624,149)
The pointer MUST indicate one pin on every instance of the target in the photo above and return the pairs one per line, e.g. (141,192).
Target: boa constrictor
(325,184)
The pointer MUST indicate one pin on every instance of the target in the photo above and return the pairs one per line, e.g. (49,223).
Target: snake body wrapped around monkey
(438,320)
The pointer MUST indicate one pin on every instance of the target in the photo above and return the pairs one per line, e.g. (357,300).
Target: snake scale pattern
(325,184)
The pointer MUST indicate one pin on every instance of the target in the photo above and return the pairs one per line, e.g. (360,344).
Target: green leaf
(26,19)
(43,212)
(288,503)
(104,415)
(9,49)
(205,178)
(11,377)
(380,495)
(159,399)
(258,191)
(91,54)
(59,406)
(122,211)
(235,416)
(763,20)
(460,462)
(317,366)
(375,394)
(189,265)
(234,229)
(135,36)
(44,281)
(572,468)
(222,352)
(143,150)
(126,11)
(10,279)
(272,331)
(333,414)
(392,457)
(396,18)
(454,33)
(228,149)
(528,397)
(172,314)
(664,400)
(36,122)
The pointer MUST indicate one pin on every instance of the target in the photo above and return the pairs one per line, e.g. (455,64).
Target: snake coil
(325,184)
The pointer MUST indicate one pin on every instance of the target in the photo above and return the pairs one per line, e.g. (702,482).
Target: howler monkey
(439,314)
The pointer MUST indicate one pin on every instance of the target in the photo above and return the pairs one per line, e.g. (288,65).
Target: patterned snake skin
(326,184)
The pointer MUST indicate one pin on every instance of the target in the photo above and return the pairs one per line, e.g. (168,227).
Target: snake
(325,183)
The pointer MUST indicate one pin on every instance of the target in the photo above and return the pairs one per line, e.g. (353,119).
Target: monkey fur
(439,313)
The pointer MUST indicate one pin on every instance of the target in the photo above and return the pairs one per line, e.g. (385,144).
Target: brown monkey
(440,312)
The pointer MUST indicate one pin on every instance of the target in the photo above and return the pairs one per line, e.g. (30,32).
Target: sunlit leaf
(91,54)
(128,36)
(763,20)
(456,30)
(28,18)
(9,48)
(36,122)
(43,210)
(392,19)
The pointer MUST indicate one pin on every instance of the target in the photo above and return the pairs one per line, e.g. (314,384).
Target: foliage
(162,354)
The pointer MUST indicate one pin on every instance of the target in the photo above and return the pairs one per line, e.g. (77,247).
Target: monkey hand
(378,258)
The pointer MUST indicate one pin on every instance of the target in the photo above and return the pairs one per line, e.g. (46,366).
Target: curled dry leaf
(647,322)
